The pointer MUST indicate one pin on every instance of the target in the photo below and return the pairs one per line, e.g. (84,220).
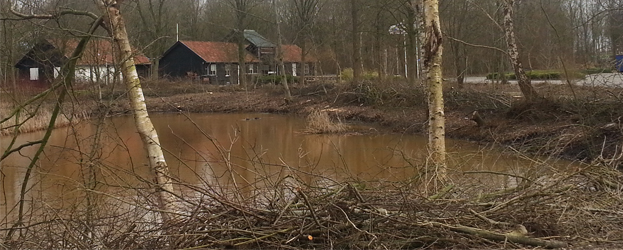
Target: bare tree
(117,30)
(356,42)
(380,23)
(282,68)
(433,49)
(154,22)
(241,9)
(457,26)
(615,27)
(523,81)
(412,35)
(304,15)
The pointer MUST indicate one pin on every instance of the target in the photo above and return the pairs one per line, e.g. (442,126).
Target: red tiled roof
(97,52)
(292,53)
(217,51)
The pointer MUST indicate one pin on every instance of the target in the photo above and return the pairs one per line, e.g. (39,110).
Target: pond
(246,151)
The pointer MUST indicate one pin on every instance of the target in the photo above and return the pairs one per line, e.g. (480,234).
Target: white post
(417,58)
(404,36)
(397,61)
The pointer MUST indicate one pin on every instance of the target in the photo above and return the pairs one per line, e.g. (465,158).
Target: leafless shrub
(550,212)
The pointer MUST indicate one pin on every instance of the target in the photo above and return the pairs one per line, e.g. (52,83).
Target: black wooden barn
(217,62)
(213,62)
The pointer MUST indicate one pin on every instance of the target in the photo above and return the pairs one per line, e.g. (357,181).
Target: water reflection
(225,150)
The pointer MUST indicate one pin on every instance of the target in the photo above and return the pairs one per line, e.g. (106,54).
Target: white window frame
(34,74)
(250,69)
(212,69)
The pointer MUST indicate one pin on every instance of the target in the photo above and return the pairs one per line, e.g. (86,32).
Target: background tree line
(580,33)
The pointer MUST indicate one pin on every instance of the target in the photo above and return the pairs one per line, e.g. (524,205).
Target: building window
(306,69)
(250,69)
(265,69)
(34,74)
(57,71)
(227,70)
(212,70)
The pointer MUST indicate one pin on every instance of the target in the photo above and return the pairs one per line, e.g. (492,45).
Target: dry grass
(319,122)
(33,119)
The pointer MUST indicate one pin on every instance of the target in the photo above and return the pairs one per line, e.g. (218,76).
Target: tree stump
(478,119)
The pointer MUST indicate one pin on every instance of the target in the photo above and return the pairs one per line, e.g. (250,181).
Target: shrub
(540,75)
(347,74)
(596,71)
(497,76)
(275,79)
(370,75)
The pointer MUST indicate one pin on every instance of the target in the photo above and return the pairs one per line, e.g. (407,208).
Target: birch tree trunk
(433,49)
(116,26)
(522,79)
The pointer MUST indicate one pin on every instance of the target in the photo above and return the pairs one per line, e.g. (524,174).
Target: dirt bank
(579,123)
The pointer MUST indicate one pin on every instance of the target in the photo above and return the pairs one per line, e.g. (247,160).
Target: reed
(319,122)
(32,121)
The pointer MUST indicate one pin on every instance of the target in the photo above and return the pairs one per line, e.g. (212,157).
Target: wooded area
(580,34)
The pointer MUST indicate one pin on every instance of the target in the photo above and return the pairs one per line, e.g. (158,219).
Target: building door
(34,74)
(294,69)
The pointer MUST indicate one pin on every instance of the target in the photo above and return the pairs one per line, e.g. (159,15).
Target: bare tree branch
(477,45)
(54,15)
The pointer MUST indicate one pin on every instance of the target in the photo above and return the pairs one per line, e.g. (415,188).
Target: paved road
(603,79)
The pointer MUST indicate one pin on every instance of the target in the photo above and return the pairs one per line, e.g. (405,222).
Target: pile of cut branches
(561,210)
(577,209)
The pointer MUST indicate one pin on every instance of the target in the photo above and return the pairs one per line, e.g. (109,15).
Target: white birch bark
(432,61)
(149,136)
(522,79)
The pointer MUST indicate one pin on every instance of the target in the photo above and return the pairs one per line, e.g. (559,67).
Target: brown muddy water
(261,149)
